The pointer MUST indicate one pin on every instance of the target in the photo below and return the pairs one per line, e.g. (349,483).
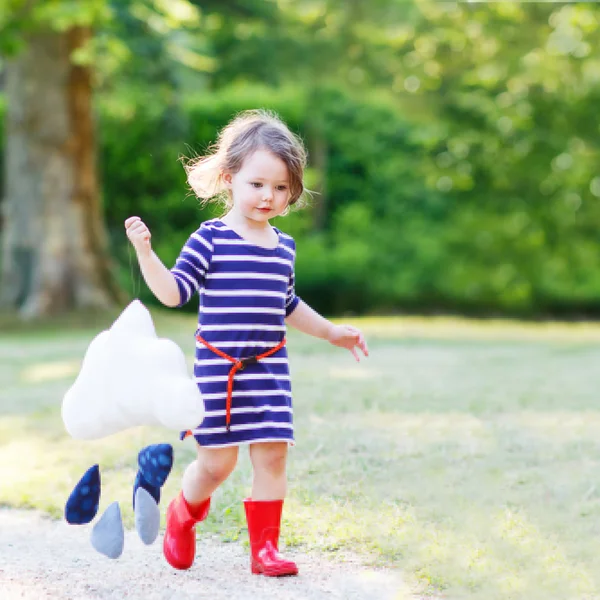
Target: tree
(54,255)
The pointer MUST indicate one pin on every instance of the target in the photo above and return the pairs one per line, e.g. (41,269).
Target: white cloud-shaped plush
(130,377)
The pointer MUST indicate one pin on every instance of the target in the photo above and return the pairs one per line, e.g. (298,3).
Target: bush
(388,240)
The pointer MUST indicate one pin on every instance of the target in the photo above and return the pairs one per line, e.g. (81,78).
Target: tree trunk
(54,255)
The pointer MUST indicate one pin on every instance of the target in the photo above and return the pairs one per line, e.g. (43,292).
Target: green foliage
(455,141)
(511,146)
(394,238)
(60,15)
(18,18)
(2,122)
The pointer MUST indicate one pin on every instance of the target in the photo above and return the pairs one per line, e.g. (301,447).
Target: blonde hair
(248,132)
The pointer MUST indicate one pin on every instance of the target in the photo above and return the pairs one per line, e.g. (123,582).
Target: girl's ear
(227,179)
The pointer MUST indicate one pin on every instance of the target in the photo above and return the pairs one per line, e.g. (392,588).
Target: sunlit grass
(465,453)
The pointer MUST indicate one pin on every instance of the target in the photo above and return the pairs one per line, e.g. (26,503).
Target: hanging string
(136,288)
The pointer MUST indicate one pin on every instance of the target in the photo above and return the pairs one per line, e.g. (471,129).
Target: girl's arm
(159,279)
(307,320)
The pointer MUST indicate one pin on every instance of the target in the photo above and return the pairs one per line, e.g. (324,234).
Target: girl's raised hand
(138,234)
(346,336)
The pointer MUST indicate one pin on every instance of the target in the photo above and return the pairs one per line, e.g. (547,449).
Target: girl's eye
(282,188)
(256,184)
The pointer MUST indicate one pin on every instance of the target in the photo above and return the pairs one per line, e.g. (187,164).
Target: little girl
(243,269)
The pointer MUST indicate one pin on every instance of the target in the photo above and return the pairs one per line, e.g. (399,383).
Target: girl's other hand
(138,234)
(346,336)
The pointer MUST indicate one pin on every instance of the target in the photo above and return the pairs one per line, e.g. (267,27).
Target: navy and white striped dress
(246,291)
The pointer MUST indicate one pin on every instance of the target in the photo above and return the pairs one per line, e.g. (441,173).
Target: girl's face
(260,189)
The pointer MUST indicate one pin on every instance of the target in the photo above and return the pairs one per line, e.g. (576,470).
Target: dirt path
(42,559)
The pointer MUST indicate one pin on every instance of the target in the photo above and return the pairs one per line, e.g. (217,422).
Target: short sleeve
(291,300)
(193,263)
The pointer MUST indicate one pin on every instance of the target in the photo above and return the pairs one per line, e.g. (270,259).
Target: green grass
(467,454)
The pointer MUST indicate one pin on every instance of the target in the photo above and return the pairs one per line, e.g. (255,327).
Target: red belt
(238,365)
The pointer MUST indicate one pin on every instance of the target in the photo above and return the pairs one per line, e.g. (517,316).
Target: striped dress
(246,291)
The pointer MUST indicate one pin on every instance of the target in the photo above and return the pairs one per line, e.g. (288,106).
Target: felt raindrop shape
(82,505)
(155,463)
(147,516)
(108,536)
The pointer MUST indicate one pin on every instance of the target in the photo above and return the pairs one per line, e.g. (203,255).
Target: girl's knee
(216,465)
(270,458)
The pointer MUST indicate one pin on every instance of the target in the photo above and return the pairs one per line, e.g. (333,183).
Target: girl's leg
(270,478)
(210,469)
(263,509)
(200,480)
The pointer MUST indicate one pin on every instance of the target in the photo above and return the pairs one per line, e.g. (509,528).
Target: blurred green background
(454,147)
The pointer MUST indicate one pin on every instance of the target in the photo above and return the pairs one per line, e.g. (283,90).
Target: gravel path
(42,559)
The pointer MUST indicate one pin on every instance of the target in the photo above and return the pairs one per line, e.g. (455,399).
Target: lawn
(466,454)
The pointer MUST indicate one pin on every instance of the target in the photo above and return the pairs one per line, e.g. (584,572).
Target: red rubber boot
(264,519)
(179,546)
